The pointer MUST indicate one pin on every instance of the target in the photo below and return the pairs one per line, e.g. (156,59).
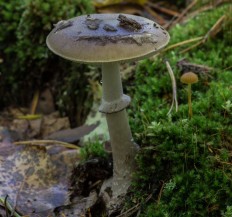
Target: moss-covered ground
(185,165)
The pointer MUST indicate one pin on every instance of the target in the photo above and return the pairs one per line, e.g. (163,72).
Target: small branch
(163,9)
(135,208)
(182,43)
(8,206)
(184,12)
(193,46)
(207,8)
(160,193)
(215,28)
(227,68)
(174,95)
(46,142)
(5,205)
(158,18)
(211,33)
(34,102)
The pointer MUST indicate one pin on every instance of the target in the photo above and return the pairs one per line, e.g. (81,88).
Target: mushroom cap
(189,78)
(102,38)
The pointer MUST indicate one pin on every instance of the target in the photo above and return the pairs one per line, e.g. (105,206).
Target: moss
(93,150)
(27,63)
(185,164)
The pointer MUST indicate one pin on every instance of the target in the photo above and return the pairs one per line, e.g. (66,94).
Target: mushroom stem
(111,82)
(123,147)
(190,101)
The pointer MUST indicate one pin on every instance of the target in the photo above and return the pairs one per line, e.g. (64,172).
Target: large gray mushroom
(109,39)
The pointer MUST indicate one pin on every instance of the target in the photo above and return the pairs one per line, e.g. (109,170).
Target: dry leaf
(73,135)
(35,178)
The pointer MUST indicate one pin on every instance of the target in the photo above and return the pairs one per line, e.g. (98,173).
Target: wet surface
(112,28)
(114,37)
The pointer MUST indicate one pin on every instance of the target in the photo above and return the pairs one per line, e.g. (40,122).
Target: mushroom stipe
(109,39)
(189,78)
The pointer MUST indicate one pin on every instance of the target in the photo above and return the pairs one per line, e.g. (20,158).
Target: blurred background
(32,77)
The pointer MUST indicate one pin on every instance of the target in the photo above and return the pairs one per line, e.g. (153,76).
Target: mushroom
(189,78)
(109,39)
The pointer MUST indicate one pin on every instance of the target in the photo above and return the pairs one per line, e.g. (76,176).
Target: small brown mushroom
(189,78)
(127,38)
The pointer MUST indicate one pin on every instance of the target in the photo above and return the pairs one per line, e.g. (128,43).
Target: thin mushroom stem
(190,101)
(123,147)
(111,81)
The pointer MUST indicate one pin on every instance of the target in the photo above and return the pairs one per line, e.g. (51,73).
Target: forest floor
(39,151)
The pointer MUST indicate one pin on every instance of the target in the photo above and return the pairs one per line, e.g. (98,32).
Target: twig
(191,47)
(215,28)
(135,208)
(211,33)
(160,193)
(182,43)
(185,66)
(8,206)
(158,18)
(223,162)
(29,117)
(174,95)
(180,17)
(5,205)
(227,68)
(163,9)
(34,102)
(46,142)
(207,7)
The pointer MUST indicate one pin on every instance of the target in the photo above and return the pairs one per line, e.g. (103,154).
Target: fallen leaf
(53,123)
(35,178)
(72,135)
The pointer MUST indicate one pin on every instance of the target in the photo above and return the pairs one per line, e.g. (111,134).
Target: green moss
(228,212)
(191,155)
(185,164)
(28,64)
(92,150)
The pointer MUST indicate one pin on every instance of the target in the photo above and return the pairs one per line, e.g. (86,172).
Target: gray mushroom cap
(102,38)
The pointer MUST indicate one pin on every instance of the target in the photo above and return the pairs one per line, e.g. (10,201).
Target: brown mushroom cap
(189,78)
(101,38)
